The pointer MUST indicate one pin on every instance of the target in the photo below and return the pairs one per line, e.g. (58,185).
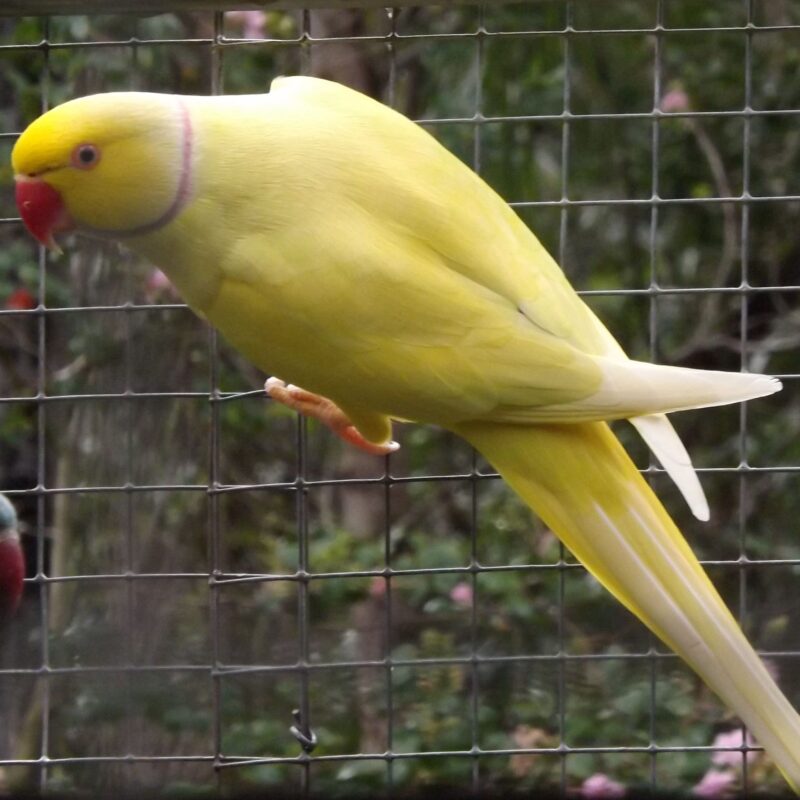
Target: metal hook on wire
(307,738)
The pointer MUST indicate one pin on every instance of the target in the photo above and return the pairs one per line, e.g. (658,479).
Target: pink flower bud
(601,786)
(253,23)
(675,100)
(461,595)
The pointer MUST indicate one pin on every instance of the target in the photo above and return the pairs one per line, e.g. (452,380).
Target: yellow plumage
(337,245)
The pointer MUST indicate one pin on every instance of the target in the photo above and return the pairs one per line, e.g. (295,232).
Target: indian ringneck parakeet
(337,245)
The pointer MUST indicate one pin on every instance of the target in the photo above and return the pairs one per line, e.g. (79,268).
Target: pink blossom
(377,587)
(715,783)
(461,595)
(601,786)
(675,100)
(730,758)
(253,23)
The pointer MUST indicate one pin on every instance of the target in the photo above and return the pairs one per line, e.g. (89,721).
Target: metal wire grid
(217,670)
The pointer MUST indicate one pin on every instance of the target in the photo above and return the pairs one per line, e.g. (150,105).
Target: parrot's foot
(328,413)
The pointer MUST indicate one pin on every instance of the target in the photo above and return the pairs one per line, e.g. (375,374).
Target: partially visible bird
(12,560)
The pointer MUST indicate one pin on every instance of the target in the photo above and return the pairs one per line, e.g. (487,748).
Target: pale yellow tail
(581,482)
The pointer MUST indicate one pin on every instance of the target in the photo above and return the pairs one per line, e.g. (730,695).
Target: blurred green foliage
(535,605)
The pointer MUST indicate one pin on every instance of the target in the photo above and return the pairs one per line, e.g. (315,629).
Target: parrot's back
(311,150)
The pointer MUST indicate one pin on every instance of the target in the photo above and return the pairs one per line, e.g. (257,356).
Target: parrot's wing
(444,341)
(402,333)
(526,274)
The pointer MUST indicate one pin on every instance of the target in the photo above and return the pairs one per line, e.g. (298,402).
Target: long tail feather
(662,439)
(581,482)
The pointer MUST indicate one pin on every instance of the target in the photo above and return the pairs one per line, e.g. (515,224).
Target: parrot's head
(112,165)
(12,561)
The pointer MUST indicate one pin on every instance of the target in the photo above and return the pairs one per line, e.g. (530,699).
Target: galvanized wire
(301,726)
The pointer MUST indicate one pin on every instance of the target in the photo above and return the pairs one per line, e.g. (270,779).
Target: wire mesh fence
(222,597)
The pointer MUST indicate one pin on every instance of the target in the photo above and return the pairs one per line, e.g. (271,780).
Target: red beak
(42,210)
(12,572)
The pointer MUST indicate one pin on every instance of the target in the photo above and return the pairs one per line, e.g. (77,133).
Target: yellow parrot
(337,245)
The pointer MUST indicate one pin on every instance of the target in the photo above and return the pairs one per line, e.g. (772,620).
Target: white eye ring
(85,156)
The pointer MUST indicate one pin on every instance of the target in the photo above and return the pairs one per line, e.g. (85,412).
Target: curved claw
(327,412)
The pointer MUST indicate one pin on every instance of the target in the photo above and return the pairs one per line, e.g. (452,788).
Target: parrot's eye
(85,156)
